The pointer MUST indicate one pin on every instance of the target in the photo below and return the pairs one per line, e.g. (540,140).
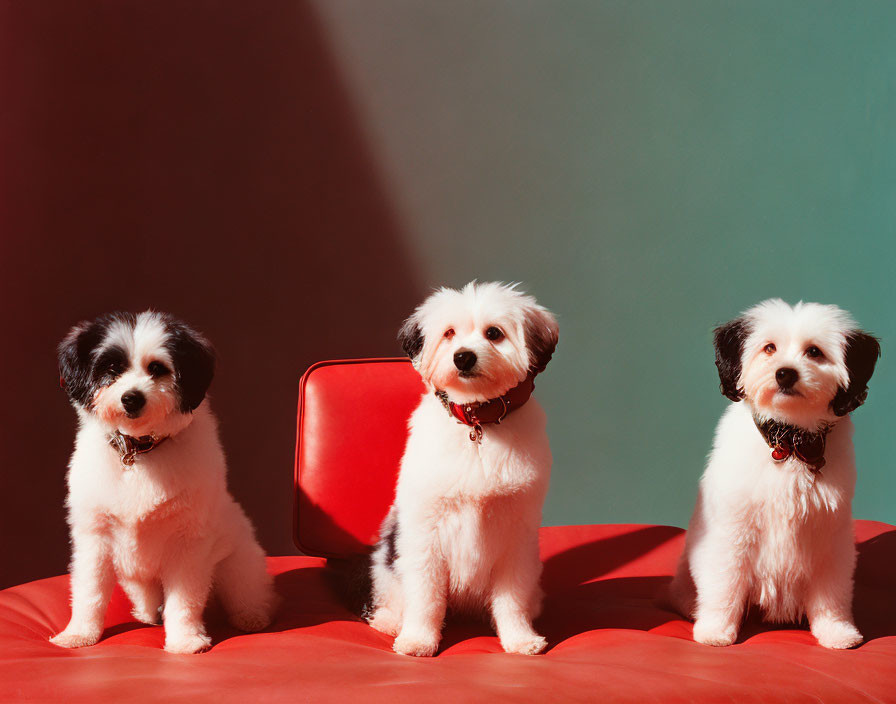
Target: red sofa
(610,640)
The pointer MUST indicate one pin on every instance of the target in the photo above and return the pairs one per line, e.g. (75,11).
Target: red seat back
(352,428)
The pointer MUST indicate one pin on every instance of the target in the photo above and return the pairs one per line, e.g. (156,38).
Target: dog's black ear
(410,336)
(75,360)
(542,334)
(728,340)
(862,352)
(194,364)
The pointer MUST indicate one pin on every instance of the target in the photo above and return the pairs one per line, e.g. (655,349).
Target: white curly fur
(770,533)
(466,515)
(166,528)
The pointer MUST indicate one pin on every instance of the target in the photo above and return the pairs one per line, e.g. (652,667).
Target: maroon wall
(199,158)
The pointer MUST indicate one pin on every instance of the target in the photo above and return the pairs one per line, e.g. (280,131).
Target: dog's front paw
(836,634)
(148,616)
(529,644)
(416,644)
(73,639)
(187,643)
(385,621)
(714,633)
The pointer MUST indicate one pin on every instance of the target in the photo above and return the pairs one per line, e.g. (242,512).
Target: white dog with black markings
(147,495)
(773,522)
(463,530)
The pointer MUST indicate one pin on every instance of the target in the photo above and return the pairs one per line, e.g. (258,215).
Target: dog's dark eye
(157,369)
(114,369)
(494,334)
(449,333)
(769,348)
(111,364)
(813,352)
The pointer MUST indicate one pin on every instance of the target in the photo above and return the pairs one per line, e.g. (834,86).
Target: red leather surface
(609,641)
(352,427)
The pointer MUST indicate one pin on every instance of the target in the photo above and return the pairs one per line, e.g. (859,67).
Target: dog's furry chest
(140,499)
(129,496)
(122,503)
(792,527)
(138,546)
(442,461)
(490,470)
(158,482)
(476,500)
(134,515)
(472,536)
(790,495)
(464,542)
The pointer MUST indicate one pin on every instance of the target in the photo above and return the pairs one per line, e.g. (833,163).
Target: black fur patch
(360,578)
(541,343)
(728,340)
(410,336)
(351,580)
(389,540)
(76,360)
(79,371)
(110,364)
(862,352)
(194,363)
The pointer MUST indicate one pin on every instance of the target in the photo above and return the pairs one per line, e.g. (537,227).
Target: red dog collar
(494,410)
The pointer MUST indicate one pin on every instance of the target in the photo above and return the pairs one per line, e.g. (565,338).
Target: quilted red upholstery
(609,641)
(610,638)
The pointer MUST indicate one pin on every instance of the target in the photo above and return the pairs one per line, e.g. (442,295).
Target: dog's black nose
(133,401)
(786,377)
(464,360)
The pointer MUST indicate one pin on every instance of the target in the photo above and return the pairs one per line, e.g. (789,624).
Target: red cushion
(352,428)
(609,641)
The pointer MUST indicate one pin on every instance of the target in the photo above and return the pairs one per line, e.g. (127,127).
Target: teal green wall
(647,169)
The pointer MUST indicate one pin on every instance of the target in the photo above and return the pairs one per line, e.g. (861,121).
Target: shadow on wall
(201,159)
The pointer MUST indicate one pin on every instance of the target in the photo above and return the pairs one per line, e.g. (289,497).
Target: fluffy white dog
(773,521)
(147,494)
(463,531)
